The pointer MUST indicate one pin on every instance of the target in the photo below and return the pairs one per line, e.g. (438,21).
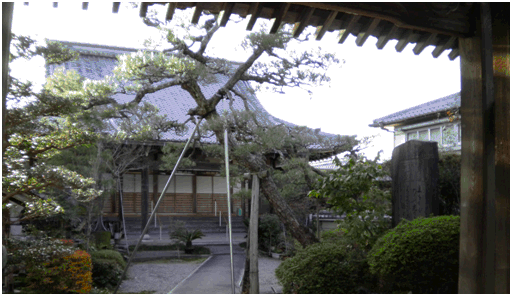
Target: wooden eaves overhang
(425,24)
(436,24)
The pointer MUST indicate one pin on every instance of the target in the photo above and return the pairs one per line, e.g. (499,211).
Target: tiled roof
(442,104)
(97,61)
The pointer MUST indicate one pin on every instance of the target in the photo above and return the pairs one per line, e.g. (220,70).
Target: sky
(370,84)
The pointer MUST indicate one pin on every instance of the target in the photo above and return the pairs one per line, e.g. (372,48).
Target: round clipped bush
(419,256)
(108,266)
(326,268)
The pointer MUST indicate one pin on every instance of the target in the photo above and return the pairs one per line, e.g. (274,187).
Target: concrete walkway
(214,275)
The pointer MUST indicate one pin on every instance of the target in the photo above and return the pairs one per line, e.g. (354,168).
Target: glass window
(450,135)
(435,135)
(423,135)
(412,136)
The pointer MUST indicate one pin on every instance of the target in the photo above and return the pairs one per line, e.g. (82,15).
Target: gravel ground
(267,277)
(162,276)
(158,277)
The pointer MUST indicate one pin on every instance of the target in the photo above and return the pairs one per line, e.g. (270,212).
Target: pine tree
(255,145)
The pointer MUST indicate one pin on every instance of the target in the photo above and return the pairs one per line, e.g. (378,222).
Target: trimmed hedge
(421,256)
(108,266)
(326,268)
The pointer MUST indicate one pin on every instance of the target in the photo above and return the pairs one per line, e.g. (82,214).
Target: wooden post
(194,194)
(501,66)
(485,201)
(144,200)
(253,237)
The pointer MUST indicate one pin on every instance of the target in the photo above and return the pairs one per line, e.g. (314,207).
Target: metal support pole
(157,204)
(229,210)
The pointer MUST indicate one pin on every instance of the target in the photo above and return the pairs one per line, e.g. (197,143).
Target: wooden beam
(228,10)
(302,23)
(143,9)
(363,36)
(115,7)
(279,16)
(404,40)
(255,11)
(386,36)
(320,30)
(428,39)
(350,26)
(170,11)
(85,5)
(197,13)
(444,46)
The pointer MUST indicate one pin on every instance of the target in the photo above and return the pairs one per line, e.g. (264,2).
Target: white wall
(219,185)
(183,184)
(204,184)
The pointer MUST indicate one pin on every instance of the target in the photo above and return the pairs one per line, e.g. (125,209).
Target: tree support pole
(157,204)
(229,210)
(254,287)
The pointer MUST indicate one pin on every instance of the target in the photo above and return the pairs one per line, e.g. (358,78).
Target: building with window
(437,120)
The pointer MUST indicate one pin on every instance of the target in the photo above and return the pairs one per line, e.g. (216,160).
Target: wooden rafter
(385,36)
(115,7)
(427,39)
(228,10)
(404,40)
(350,26)
(283,9)
(170,11)
(444,46)
(255,11)
(143,9)
(197,13)
(361,37)
(454,54)
(320,30)
(303,21)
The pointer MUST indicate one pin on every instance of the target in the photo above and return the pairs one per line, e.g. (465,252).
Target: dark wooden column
(194,194)
(501,66)
(483,225)
(144,197)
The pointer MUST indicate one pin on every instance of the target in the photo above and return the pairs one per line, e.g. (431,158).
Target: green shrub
(187,237)
(102,239)
(69,274)
(269,232)
(421,256)
(108,266)
(449,184)
(326,268)
(111,255)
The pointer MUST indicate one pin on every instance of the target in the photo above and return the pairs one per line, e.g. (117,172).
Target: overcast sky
(370,84)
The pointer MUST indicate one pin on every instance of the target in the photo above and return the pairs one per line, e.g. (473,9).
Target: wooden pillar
(144,197)
(501,67)
(194,194)
(483,225)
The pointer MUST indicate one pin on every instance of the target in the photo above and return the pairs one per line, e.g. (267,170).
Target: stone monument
(415,174)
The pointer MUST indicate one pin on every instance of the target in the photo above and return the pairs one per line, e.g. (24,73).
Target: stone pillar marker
(415,174)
